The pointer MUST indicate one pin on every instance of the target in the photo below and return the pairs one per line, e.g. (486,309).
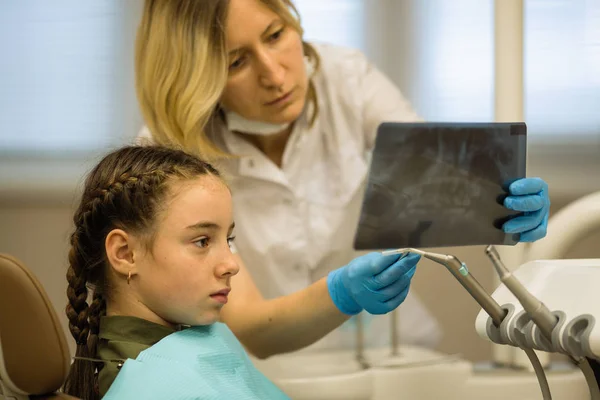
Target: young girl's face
(185,277)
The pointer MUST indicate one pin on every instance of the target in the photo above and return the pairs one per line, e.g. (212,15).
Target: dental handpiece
(539,313)
(465,278)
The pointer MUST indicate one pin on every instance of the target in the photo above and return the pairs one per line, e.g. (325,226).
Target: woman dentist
(291,125)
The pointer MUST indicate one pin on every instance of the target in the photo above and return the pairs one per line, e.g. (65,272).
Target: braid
(77,293)
(80,381)
(124,191)
(125,185)
(97,310)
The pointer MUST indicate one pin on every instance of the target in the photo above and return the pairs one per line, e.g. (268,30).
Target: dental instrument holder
(574,332)
(394,358)
(570,329)
(394,342)
(360,340)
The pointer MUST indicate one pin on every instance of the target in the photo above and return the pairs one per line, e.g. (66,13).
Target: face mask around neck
(235,122)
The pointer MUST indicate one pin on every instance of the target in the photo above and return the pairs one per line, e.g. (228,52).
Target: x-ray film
(441,184)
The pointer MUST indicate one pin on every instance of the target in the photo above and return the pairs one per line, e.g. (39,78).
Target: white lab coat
(296,223)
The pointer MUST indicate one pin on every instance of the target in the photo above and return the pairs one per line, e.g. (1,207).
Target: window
(62,76)
(455,63)
(447,68)
(562,68)
(333,21)
(338,22)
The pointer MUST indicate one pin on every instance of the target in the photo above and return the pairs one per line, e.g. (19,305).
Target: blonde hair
(181,69)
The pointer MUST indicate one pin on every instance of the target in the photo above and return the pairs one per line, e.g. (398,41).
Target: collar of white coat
(252,162)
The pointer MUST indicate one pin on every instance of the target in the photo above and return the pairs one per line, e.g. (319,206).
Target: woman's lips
(281,99)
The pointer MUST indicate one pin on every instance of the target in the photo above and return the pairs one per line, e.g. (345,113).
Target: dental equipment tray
(440,184)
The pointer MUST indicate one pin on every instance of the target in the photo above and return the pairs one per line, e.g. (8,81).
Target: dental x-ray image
(440,184)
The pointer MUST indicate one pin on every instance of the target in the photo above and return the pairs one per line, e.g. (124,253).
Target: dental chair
(34,356)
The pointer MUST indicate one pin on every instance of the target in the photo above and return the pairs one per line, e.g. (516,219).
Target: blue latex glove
(529,195)
(373,282)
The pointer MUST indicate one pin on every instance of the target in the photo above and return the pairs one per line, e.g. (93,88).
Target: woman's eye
(202,242)
(276,35)
(236,64)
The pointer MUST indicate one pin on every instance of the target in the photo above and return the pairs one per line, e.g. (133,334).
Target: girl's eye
(230,240)
(202,242)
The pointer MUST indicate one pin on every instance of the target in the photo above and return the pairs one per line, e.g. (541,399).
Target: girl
(152,242)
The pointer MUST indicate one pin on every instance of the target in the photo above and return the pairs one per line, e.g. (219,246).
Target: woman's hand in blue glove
(373,282)
(529,195)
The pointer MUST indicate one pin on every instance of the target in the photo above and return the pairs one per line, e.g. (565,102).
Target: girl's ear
(120,253)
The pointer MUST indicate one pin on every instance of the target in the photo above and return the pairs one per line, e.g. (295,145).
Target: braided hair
(124,191)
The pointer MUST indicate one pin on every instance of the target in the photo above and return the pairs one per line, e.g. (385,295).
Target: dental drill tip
(392,252)
(492,252)
(499,266)
(404,251)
